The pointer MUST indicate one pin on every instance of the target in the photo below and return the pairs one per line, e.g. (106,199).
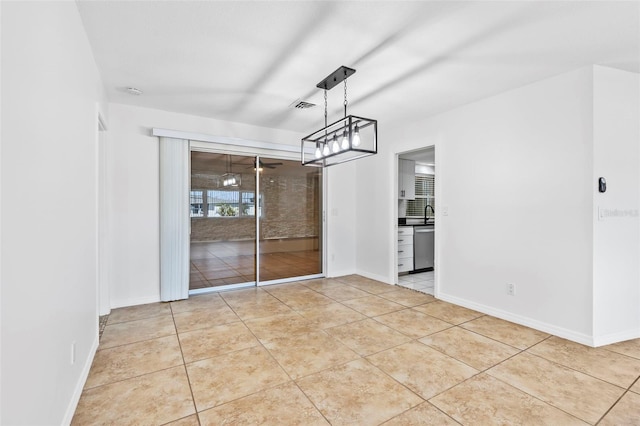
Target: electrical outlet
(73,353)
(511,289)
(333,257)
(445,211)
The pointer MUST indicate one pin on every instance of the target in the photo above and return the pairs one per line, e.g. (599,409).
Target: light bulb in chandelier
(345,140)
(325,150)
(356,136)
(318,152)
(335,147)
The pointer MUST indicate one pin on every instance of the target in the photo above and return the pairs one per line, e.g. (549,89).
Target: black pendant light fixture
(347,139)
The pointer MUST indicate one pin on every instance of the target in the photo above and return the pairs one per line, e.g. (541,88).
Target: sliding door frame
(322,274)
(237,146)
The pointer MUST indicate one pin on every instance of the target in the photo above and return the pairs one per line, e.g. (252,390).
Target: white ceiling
(248,61)
(423,156)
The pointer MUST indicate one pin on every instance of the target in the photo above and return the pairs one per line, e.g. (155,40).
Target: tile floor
(232,262)
(347,351)
(423,282)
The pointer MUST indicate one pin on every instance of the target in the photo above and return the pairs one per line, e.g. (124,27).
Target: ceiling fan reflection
(263,164)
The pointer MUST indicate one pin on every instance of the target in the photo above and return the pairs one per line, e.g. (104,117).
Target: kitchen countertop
(419,224)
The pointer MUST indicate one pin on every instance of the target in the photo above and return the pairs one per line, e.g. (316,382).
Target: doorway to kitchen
(255,220)
(417,220)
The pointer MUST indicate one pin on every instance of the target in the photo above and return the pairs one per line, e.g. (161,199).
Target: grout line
(611,408)
(562,366)
(300,285)
(466,363)
(537,398)
(184,365)
(164,314)
(130,378)
(259,343)
(244,396)
(573,368)
(220,354)
(618,400)
(434,317)
(581,372)
(182,418)
(137,341)
(312,403)
(489,337)
(394,379)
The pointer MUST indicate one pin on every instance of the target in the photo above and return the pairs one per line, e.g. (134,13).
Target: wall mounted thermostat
(602,185)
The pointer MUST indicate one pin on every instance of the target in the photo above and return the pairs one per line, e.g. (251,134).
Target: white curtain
(174,219)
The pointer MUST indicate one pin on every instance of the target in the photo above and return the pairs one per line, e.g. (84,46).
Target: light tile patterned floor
(347,351)
(423,281)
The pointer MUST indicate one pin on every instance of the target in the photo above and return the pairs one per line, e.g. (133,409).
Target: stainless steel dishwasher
(423,247)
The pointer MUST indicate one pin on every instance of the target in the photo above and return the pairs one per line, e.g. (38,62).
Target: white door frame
(438,215)
(102,228)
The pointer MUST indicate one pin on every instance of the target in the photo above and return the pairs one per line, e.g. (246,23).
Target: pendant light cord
(325,116)
(325,112)
(345,95)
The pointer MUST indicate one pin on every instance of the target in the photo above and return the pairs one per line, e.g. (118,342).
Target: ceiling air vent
(300,104)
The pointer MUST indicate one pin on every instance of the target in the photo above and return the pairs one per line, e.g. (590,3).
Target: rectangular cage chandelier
(347,139)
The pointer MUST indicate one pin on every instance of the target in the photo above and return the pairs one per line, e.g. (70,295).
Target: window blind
(425,194)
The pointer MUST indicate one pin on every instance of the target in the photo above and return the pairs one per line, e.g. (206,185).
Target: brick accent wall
(291,209)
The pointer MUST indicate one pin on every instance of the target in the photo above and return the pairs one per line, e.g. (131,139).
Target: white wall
(516,172)
(375,207)
(517,181)
(341,216)
(134,186)
(50,89)
(617,158)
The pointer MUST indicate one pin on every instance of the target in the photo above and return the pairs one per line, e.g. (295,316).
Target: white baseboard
(134,301)
(376,277)
(334,274)
(608,339)
(519,319)
(77,393)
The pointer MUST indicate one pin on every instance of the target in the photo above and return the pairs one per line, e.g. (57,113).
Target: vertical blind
(174,219)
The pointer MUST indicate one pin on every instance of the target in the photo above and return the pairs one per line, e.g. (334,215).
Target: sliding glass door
(235,198)
(223,222)
(290,221)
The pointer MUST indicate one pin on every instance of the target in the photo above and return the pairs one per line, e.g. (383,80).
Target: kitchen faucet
(425,212)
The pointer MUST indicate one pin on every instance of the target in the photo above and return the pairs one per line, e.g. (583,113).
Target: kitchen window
(425,195)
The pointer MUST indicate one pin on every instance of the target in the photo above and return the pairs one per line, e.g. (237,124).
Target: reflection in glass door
(226,210)
(223,223)
(290,227)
